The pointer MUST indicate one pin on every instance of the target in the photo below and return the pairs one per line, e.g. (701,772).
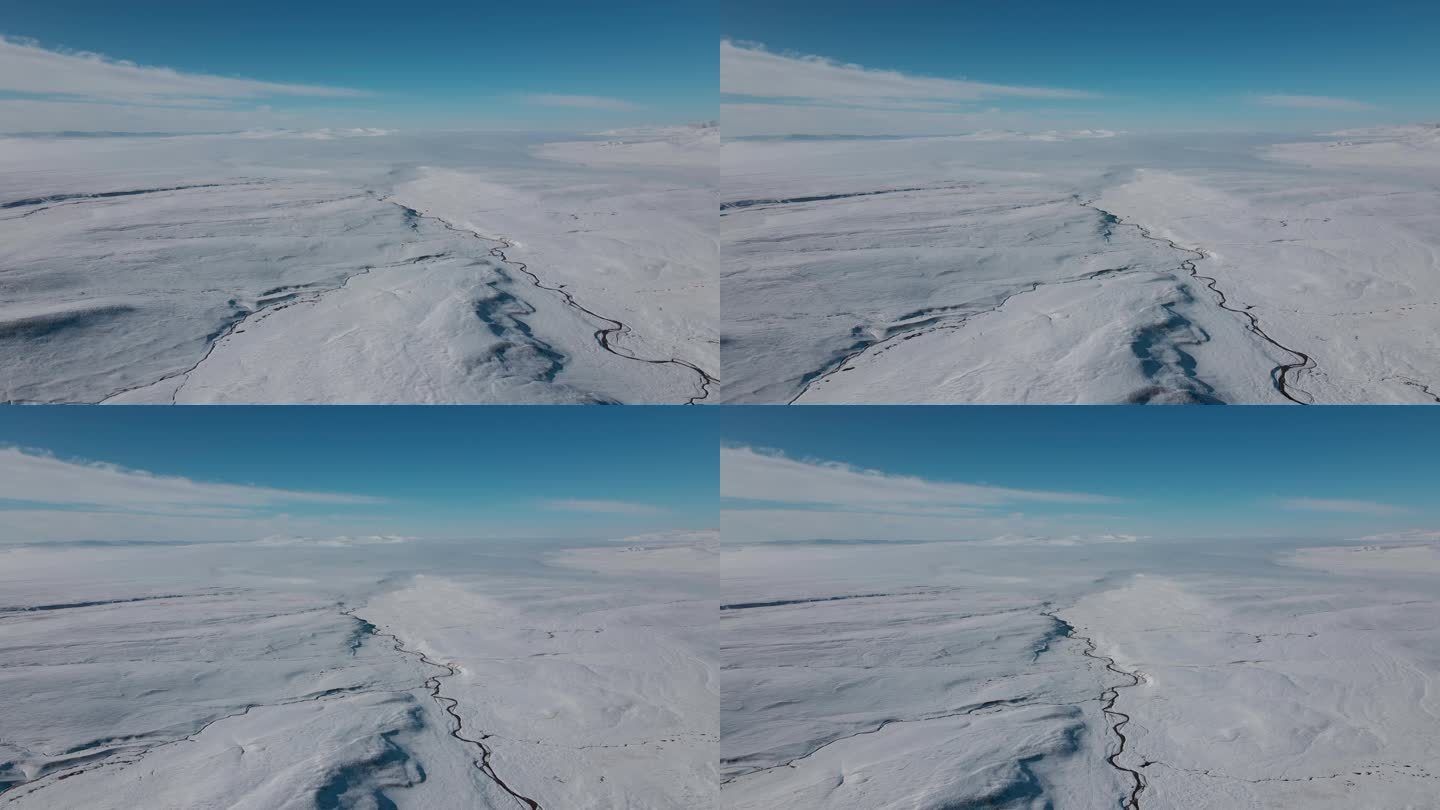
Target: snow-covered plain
(359,266)
(1150,675)
(371,675)
(1083,269)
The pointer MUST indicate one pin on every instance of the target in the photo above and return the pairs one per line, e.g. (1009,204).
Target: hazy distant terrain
(359,672)
(1031,675)
(1084,267)
(358,266)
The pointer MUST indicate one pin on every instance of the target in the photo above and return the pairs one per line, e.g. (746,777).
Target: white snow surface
(938,675)
(1119,269)
(890,676)
(352,266)
(245,675)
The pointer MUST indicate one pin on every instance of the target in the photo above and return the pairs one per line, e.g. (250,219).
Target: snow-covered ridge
(957,675)
(488,276)
(1120,269)
(417,676)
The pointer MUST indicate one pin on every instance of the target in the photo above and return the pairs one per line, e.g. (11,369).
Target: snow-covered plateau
(1146,675)
(350,266)
(1075,268)
(359,673)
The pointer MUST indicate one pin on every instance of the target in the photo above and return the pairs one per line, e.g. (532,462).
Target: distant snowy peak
(1066,540)
(1415,552)
(1422,132)
(1409,146)
(1405,538)
(683,552)
(686,145)
(697,131)
(318,134)
(685,136)
(699,538)
(341,541)
(1048,135)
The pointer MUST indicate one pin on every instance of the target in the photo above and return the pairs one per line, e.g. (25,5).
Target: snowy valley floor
(1081,269)
(1185,676)
(358,267)
(361,673)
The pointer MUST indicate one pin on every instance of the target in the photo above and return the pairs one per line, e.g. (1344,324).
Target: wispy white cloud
(774,93)
(758,525)
(751,474)
(27,67)
(749,69)
(752,118)
(741,525)
(48,499)
(603,506)
(113,525)
(769,496)
(1313,103)
(581,102)
(64,89)
(53,115)
(36,477)
(1341,505)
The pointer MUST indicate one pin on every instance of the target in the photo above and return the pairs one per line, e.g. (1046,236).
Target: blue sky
(986,472)
(537,65)
(250,473)
(1285,65)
